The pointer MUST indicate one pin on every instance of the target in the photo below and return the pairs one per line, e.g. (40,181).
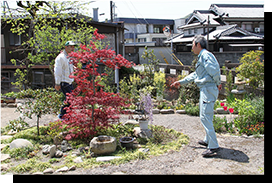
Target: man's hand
(175,84)
(57,87)
(219,87)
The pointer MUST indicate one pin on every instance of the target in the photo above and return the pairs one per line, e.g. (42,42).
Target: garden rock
(142,133)
(45,149)
(107,158)
(37,173)
(78,160)
(103,144)
(156,111)
(2,146)
(4,167)
(221,111)
(65,146)
(63,169)
(58,154)
(20,143)
(72,168)
(132,121)
(5,137)
(48,171)
(52,151)
(4,157)
(180,111)
(167,111)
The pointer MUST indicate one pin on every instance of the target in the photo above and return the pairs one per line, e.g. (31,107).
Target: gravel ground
(238,154)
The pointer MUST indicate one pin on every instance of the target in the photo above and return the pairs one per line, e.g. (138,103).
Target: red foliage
(91,107)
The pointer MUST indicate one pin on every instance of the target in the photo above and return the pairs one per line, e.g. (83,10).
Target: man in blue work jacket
(207,78)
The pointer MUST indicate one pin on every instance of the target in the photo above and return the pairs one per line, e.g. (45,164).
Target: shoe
(210,152)
(201,142)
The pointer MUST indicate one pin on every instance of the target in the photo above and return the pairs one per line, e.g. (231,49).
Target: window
(14,39)
(3,50)
(157,28)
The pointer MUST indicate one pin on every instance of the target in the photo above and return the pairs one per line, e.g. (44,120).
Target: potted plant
(127,142)
(144,110)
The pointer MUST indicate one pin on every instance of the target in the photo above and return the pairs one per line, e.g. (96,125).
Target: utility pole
(208,32)
(111,17)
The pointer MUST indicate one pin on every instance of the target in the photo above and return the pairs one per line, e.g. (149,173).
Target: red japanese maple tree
(90,106)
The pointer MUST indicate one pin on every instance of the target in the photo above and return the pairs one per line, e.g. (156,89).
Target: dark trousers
(65,88)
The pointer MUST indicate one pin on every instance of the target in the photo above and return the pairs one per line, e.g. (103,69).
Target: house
(40,75)
(231,30)
(141,32)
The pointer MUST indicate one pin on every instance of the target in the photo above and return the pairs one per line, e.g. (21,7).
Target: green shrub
(192,109)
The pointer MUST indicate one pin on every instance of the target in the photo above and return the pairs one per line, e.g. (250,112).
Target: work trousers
(208,96)
(65,88)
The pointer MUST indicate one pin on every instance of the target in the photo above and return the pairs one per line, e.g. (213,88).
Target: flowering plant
(90,106)
(146,106)
(159,81)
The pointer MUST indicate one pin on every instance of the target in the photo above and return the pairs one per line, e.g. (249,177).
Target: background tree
(45,26)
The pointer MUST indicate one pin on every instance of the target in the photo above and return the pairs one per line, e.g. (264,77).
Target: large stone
(167,111)
(20,143)
(156,111)
(52,151)
(103,144)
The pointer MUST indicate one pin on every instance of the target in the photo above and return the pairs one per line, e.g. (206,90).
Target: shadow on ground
(230,154)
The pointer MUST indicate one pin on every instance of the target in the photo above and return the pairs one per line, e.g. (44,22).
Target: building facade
(41,76)
(231,30)
(141,32)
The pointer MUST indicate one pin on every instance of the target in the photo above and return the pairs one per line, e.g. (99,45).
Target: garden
(103,127)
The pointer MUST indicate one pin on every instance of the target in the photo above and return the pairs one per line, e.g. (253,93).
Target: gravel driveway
(238,154)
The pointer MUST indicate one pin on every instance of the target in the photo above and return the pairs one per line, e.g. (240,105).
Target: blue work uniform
(207,78)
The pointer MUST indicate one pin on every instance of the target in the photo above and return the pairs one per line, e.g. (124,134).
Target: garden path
(238,154)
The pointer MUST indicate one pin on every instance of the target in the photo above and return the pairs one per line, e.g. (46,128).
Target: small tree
(90,106)
(39,102)
(252,68)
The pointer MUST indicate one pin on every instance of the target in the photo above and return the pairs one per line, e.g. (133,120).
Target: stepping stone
(107,158)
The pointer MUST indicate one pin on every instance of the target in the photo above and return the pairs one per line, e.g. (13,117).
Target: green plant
(247,114)
(252,68)
(148,74)
(17,124)
(19,153)
(55,128)
(228,85)
(46,101)
(159,82)
(192,109)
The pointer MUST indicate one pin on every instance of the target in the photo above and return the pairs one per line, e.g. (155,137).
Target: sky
(161,9)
